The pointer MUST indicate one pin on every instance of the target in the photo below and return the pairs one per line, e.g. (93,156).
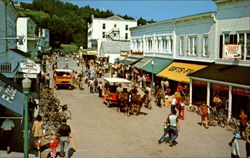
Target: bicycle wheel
(67,113)
(221,122)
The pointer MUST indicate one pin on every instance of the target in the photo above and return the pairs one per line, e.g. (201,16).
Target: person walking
(235,151)
(37,130)
(204,115)
(173,126)
(7,133)
(32,107)
(100,87)
(64,132)
(159,95)
(243,122)
(248,147)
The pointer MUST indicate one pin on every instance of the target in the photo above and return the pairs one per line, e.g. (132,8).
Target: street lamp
(152,63)
(26,83)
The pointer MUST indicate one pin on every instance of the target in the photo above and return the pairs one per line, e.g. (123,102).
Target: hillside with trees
(67,22)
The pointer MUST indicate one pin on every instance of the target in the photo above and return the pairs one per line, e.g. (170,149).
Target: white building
(27,39)
(233,30)
(113,28)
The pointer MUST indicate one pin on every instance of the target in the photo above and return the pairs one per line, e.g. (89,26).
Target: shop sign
(199,83)
(29,67)
(232,51)
(219,86)
(136,53)
(124,53)
(241,91)
(182,70)
(7,92)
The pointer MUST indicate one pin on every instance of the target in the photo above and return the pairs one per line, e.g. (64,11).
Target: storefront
(177,73)
(138,67)
(11,107)
(230,83)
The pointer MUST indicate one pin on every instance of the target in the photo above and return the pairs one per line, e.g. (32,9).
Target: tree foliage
(67,22)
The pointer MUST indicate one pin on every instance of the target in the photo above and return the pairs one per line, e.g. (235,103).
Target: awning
(238,76)
(129,61)
(142,62)
(89,53)
(159,65)
(11,95)
(178,71)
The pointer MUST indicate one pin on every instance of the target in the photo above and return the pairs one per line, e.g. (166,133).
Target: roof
(115,17)
(21,52)
(188,17)
(225,73)
(116,80)
(64,70)
(114,47)
(142,62)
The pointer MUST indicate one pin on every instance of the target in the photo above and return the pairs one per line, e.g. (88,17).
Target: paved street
(102,132)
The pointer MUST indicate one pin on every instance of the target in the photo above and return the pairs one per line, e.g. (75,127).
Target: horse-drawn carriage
(129,102)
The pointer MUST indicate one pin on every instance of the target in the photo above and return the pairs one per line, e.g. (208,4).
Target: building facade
(113,28)
(27,38)
(44,44)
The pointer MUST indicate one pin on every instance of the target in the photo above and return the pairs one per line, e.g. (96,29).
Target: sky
(157,10)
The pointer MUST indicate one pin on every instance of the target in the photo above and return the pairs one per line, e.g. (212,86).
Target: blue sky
(157,10)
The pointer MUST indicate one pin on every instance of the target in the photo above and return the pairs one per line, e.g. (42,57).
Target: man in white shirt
(7,130)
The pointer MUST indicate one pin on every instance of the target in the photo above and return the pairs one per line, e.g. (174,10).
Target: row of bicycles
(220,118)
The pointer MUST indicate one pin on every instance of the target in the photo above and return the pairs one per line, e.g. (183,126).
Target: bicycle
(233,124)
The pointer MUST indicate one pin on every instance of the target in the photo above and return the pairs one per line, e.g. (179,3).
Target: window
(114,25)
(103,35)
(126,35)
(103,26)
(171,46)
(5,67)
(192,45)
(138,45)
(126,27)
(150,45)
(242,39)
(164,44)
(205,46)
(159,45)
(181,46)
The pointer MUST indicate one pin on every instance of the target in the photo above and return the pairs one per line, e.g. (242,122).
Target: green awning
(159,65)
(142,62)
(129,61)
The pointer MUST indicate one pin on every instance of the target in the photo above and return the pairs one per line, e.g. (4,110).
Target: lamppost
(26,83)
(152,63)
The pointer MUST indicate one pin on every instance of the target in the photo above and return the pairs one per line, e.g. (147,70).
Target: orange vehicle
(63,78)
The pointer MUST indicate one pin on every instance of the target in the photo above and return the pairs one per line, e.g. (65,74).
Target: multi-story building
(113,28)
(210,52)
(27,38)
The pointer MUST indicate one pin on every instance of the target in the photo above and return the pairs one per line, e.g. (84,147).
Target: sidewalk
(3,154)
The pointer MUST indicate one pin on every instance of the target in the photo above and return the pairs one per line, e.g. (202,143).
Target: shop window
(192,45)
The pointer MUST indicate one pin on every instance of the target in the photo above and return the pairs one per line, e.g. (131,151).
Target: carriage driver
(119,89)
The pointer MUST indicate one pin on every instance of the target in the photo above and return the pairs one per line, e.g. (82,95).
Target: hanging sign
(232,51)
(136,53)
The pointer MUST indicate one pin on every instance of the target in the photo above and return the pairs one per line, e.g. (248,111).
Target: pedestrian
(91,86)
(7,133)
(173,103)
(148,80)
(37,130)
(243,122)
(95,85)
(204,115)
(32,106)
(143,81)
(173,126)
(235,151)
(159,97)
(100,87)
(181,109)
(64,132)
